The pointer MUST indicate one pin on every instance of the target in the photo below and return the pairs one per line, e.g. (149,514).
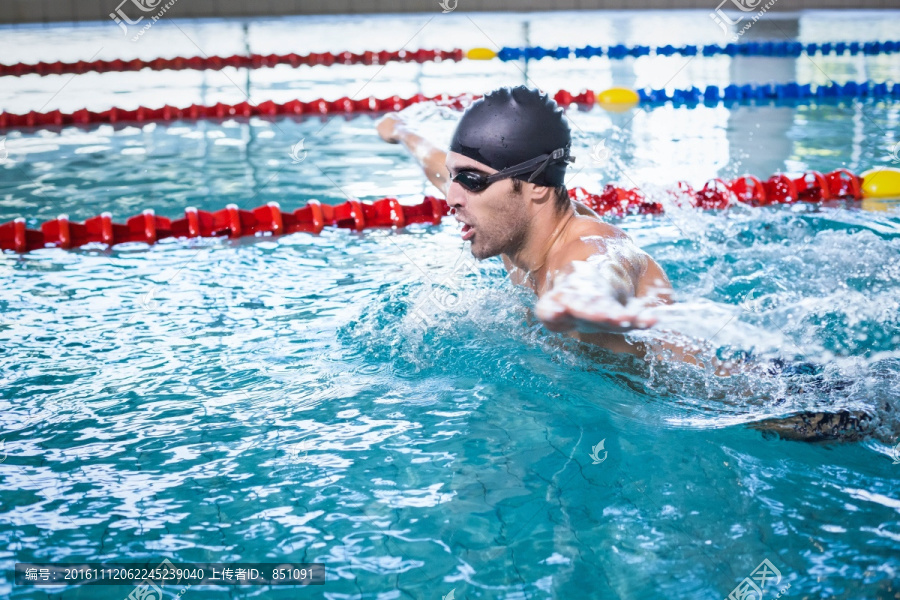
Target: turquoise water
(278,399)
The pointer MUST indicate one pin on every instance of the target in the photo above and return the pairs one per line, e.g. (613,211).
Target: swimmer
(504,180)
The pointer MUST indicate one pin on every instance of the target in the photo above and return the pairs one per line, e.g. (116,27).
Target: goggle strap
(540,169)
(541,162)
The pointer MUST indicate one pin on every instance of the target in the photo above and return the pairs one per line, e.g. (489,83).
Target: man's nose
(456,195)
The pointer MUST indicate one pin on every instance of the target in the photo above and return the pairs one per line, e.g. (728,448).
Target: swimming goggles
(476,181)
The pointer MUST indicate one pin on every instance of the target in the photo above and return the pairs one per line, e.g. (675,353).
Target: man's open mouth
(467,232)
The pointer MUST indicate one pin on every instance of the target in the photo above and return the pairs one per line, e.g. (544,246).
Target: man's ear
(539,193)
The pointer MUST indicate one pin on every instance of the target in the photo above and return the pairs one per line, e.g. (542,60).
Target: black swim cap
(510,126)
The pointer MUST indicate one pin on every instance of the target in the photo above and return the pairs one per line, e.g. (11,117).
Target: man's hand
(599,313)
(596,295)
(388,127)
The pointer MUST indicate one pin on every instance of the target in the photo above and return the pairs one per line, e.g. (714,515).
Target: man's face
(496,217)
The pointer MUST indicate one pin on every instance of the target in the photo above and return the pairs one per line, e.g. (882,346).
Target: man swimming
(504,180)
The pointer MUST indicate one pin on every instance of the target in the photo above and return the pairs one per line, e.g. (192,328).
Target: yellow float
(883,182)
(617,99)
(480,54)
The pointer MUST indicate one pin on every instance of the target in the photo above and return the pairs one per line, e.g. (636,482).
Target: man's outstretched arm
(393,130)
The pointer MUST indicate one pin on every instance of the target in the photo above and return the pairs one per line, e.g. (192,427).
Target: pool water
(379,403)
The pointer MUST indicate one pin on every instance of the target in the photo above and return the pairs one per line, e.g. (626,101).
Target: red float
(217,63)
(234,222)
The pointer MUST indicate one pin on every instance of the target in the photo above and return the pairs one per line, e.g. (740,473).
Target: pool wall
(33,11)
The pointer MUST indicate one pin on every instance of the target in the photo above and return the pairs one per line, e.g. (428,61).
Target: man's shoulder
(588,237)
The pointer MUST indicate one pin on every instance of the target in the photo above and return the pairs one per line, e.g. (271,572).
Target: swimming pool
(278,399)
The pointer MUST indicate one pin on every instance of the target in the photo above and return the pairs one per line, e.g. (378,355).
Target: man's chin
(482,253)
